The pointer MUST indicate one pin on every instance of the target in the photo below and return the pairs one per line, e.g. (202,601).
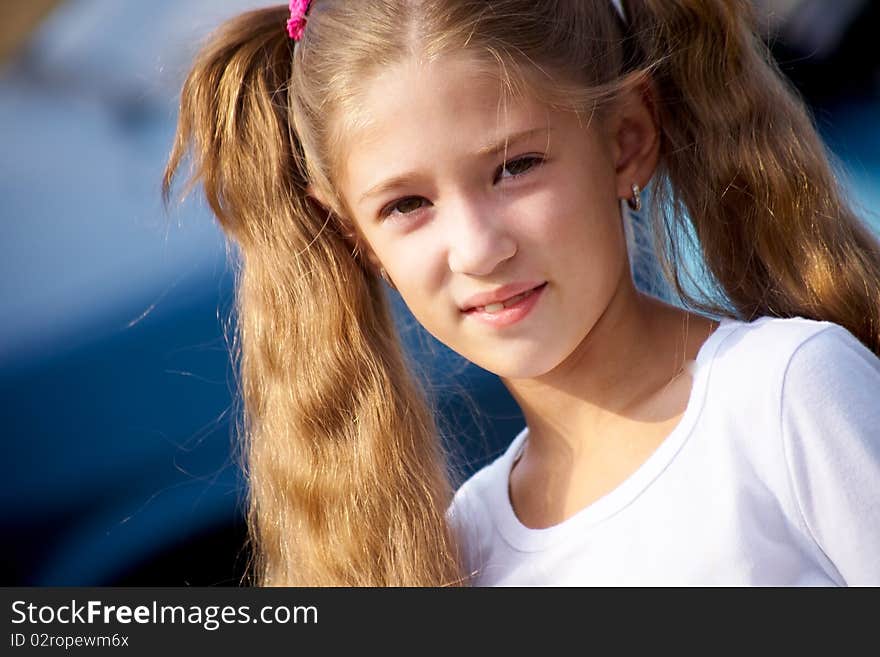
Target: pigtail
(347,483)
(745,166)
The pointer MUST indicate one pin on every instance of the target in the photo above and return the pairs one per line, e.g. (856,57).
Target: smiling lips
(498,306)
(504,296)
(501,309)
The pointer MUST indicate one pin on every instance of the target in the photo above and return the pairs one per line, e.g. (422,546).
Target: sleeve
(830,423)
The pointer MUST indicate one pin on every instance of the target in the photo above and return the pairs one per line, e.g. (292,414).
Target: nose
(478,239)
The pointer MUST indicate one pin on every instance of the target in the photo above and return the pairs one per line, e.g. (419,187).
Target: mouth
(497,307)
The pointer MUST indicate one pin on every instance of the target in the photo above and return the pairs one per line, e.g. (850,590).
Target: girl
(486,158)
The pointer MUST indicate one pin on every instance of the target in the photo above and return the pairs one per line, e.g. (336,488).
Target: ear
(358,246)
(635,138)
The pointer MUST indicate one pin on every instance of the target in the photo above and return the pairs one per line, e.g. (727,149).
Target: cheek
(417,259)
(418,267)
(567,226)
(576,240)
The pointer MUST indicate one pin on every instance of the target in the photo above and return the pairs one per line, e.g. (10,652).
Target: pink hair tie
(297,21)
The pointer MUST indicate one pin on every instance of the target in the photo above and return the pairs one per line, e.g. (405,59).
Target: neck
(636,348)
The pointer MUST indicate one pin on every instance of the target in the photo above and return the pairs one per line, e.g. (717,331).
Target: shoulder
(829,395)
(799,378)
(796,349)
(833,375)
(774,337)
(770,376)
(828,352)
(471,512)
(771,351)
(482,487)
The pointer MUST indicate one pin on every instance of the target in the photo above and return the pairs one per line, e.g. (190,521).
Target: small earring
(387,278)
(635,203)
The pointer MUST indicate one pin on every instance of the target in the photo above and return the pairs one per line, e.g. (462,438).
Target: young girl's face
(450,214)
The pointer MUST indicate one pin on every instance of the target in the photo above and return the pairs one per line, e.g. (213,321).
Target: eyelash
(535,159)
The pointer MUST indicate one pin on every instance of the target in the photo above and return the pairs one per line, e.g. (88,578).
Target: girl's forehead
(454,90)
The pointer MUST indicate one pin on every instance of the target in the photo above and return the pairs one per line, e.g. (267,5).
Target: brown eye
(519,166)
(404,206)
(409,205)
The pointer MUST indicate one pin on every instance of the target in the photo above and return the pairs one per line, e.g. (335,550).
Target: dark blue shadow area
(121,448)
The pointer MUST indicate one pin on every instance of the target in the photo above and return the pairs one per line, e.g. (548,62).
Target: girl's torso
(737,492)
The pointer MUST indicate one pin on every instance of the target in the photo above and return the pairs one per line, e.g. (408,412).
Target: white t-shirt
(771,477)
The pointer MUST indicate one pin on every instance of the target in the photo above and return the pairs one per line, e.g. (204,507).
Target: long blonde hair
(348,484)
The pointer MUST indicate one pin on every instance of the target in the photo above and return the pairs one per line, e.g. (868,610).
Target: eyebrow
(489,149)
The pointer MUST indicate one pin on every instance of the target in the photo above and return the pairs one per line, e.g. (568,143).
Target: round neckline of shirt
(527,539)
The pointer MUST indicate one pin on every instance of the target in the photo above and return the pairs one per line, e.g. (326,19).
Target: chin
(517,366)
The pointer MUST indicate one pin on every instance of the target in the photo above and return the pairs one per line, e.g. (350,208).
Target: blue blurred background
(115,382)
